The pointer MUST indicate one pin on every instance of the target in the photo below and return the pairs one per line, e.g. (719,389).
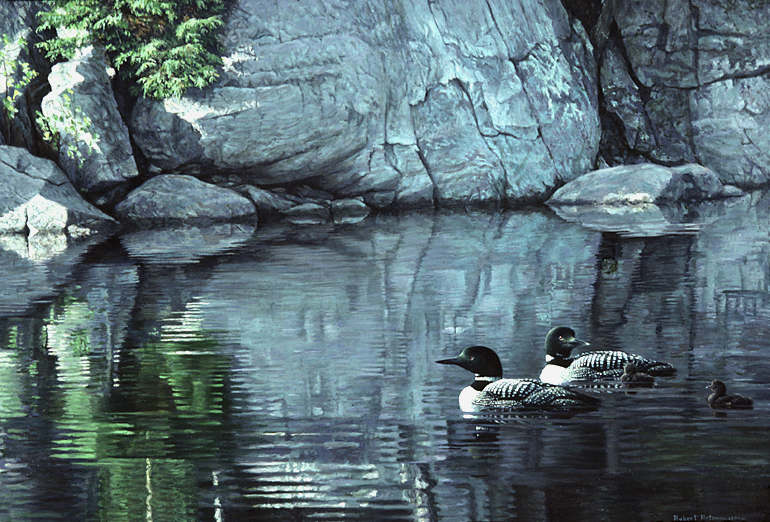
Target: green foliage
(66,117)
(166,46)
(9,67)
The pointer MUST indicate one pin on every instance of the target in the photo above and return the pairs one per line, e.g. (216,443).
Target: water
(289,373)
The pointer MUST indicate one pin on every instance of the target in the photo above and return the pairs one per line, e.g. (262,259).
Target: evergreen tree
(164,46)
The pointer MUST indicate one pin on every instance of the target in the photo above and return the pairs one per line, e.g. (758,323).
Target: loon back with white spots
(490,391)
(561,367)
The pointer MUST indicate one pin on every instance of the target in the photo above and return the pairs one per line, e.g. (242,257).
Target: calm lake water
(289,373)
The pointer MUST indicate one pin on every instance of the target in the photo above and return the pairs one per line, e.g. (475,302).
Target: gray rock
(693,182)
(81,88)
(267,202)
(401,104)
(472,174)
(36,197)
(622,98)
(641,200)
(695,87)
(308,214)
(171,199)
(730,120)
(640,185)
(347,211)
(647,220)
(731,191)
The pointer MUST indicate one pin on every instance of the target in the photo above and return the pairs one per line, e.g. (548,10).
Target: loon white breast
(490,391)
(561,367)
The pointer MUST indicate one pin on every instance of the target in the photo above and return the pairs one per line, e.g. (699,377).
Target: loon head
(560,341)
(480,360)
(719,388)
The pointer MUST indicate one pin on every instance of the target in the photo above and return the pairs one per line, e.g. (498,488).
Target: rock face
(36,196)
(399,103)
(328,110)
(170,199)
(687,81)
(104,161)
(348,211)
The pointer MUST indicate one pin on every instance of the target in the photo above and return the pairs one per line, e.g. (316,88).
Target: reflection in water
(290,374)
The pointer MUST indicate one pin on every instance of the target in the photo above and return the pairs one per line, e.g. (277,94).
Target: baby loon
(720,399)
(561,368)
(635,379)
(490,390)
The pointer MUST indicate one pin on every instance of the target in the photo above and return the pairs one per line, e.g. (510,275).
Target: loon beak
(577,343)
(460,361)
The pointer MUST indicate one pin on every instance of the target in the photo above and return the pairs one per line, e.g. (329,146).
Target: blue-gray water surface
(288,372)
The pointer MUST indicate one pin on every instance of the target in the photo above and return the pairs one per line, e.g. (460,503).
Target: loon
(490,390)
(561,368)
(720,399)
(632,378)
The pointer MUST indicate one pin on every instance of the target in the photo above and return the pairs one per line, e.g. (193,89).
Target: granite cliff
(387,105)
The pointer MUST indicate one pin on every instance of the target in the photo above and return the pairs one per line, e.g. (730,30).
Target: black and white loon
(561,367)
(490,391)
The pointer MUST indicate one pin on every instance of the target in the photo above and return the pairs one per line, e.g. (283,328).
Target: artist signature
(707,518)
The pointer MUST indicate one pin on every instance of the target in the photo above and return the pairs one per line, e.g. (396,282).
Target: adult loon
(561,367)
(490,391)
(720,399)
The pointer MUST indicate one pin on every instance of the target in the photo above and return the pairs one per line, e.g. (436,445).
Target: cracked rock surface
(689,80)
(36,196)
(81,89)
(397,103)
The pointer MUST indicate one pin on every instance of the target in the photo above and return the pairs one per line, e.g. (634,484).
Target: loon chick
(490,390)
(720,399)
(631,377)
(561,367)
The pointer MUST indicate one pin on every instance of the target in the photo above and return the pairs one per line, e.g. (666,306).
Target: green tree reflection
(136,411)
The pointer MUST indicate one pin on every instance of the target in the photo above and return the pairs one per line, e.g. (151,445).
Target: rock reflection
(634,303)
(289,374)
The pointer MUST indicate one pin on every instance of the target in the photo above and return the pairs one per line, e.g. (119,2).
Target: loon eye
(561,337)
(473,357)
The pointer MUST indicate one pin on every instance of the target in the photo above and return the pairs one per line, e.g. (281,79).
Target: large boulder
(643,199)
(687,81)
(173,199)
(95,149)
(398,103)
(642,184)
(36,197)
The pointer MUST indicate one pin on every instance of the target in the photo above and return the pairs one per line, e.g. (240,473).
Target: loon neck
(564,362)
(481,382)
